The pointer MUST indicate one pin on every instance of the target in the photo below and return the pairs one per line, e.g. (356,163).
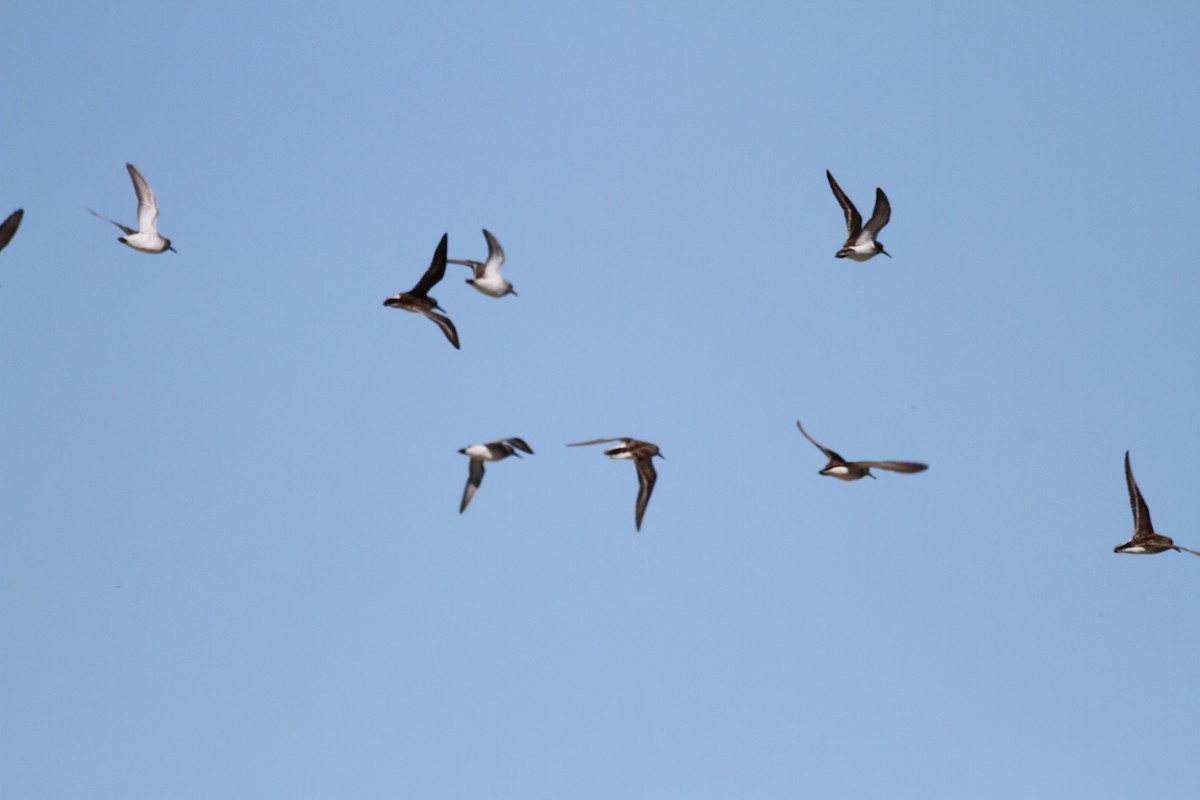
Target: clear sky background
(233,564)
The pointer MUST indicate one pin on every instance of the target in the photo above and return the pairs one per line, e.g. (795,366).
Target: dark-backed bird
(1145,541)
(861,243)
(491,451)
(641,453)
(145,239)
(842,469)
(417,299)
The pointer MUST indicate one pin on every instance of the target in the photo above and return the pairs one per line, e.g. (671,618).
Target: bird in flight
(641,453)
(487,276)
(842,469)
(145,239)
(491,451)
(861,243)
(417,299)
(1145,541)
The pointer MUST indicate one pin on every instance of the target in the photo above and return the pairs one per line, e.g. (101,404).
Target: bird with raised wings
(488,279)
(861,243)
(1145,541)
(417,299)
(146,238)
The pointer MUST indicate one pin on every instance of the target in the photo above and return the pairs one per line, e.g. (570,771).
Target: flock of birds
(862,243)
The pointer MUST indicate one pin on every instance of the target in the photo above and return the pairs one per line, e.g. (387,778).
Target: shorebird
(1145,541)
(8,228)
(641,453)
(842,469)
(861,244)
(487,276)
(145,239)
(492,451)
(417,299)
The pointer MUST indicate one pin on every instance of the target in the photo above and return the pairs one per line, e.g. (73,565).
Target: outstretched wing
(474,478)
(128,231)
(520,445)
(647,477)
(600,441)
(9,227)
(147,205)
(495,258)
(895,466)
(436,271)
(832,456)
(853,218)
(446,325)
(881,214)
(1141,512)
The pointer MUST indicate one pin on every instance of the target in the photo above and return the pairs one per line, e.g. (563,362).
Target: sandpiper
(641,453)
(417,299)
(8,228)
(492,451)
(487,276)
(842,469)
(145,239)
(861,244)
(1145,541)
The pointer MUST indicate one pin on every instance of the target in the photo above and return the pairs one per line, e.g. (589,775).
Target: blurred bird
(487,276)
(492,451)
(842,469)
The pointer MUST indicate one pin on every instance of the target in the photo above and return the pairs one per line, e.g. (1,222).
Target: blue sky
(232,560)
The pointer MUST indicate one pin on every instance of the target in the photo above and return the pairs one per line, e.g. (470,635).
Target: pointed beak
(660,455)
(513,293)
(885,252)
(172,249)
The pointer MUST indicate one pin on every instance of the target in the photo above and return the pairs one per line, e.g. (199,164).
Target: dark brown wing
(881,214)
(646,480)
(9,227)
(600,441)
(445,324)
(1141,512)
(520,445)
(853,218)
(833,457)
(895,466)
(436,271)
(474,478)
